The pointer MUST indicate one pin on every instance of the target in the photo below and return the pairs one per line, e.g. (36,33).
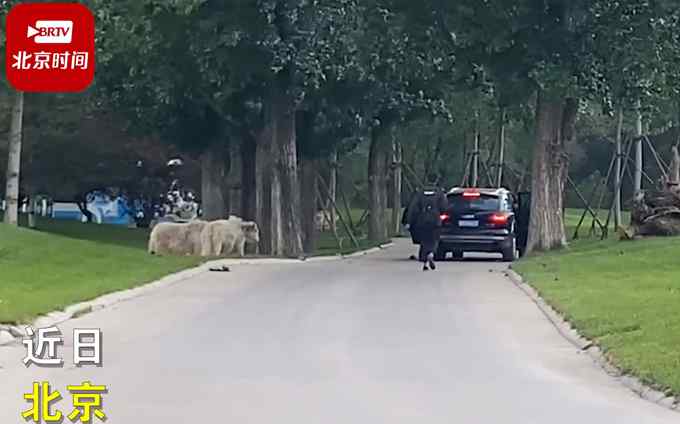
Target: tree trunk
(396,186)
(14,161)
(475,153)
(464,156)
(309,189)
(263,181)
(213,180)
(638,151)
(32,220)
(674,175)
(285,188)
(32,209)
(234,185)
(248,179)
(555,128)
(501,146)
(377,196)
(333,190)
(617,171)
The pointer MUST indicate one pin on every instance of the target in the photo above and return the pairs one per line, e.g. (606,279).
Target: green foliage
(601,49)
(208,67)
(5,6)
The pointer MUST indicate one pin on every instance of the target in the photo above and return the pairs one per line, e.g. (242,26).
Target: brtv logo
(51,32)
(50,47)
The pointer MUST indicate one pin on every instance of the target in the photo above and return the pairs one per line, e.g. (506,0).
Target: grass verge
(63,263)
(622,295)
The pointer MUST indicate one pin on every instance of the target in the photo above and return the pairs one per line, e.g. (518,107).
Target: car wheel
(457,254)
(510,253)
(440,255)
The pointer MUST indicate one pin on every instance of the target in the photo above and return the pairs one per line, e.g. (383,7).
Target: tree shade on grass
(622,295)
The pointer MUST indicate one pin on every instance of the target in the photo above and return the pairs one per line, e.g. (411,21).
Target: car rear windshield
(482,203)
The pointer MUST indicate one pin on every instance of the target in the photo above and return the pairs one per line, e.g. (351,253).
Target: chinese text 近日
(41,346)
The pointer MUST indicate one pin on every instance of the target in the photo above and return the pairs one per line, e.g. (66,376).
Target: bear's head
(251,231)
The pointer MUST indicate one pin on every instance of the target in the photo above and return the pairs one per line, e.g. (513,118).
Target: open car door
(523,214)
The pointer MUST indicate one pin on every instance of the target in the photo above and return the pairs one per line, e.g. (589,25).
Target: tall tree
(402,81)
(548,50)
(14,160)
(202,53)
(15,133)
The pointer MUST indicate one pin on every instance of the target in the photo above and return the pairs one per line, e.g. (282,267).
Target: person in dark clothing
(406,218)
(407,226)
(424,220)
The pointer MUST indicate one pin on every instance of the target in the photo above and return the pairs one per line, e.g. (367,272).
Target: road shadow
(471,259)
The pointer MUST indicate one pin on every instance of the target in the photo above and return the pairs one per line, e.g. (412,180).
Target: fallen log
(657,212)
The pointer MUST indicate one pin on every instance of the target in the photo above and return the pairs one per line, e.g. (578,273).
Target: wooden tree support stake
(625,170)
(342,220)
(418,182)
(347,208)
(585,202)
(644,174)
(660,163)
(489,178)
(363,218)
(603,184)
(328,220)
(466,176)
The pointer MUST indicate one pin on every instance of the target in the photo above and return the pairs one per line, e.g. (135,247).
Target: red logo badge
(50,47)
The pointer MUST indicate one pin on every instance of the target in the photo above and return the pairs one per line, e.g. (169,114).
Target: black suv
(481,220)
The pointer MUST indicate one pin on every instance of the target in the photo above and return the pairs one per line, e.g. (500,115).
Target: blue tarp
(106,210)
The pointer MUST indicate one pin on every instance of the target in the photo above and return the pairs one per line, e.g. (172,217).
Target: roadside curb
(368,252)
(79,309)
(590,348)
(11,334)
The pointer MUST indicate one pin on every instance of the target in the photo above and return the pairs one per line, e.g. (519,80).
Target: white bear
(169,238)
(224,236)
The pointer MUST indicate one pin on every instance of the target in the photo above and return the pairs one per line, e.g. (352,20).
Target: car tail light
(444,217)
(499,218)
(471,193)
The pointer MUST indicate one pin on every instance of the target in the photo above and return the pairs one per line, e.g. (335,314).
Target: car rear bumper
(475,243)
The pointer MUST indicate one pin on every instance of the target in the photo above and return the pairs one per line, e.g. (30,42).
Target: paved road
(369,340)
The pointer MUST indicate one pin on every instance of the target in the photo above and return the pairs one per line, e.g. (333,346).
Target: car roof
(486,191)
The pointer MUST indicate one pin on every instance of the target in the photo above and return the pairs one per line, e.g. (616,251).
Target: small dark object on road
(220,269)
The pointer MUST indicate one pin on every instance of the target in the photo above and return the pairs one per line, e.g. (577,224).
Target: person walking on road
(407,226)
(424,218)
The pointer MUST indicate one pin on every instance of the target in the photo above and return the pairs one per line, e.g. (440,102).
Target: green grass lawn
(42,271)
(623,295)
(65,262)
